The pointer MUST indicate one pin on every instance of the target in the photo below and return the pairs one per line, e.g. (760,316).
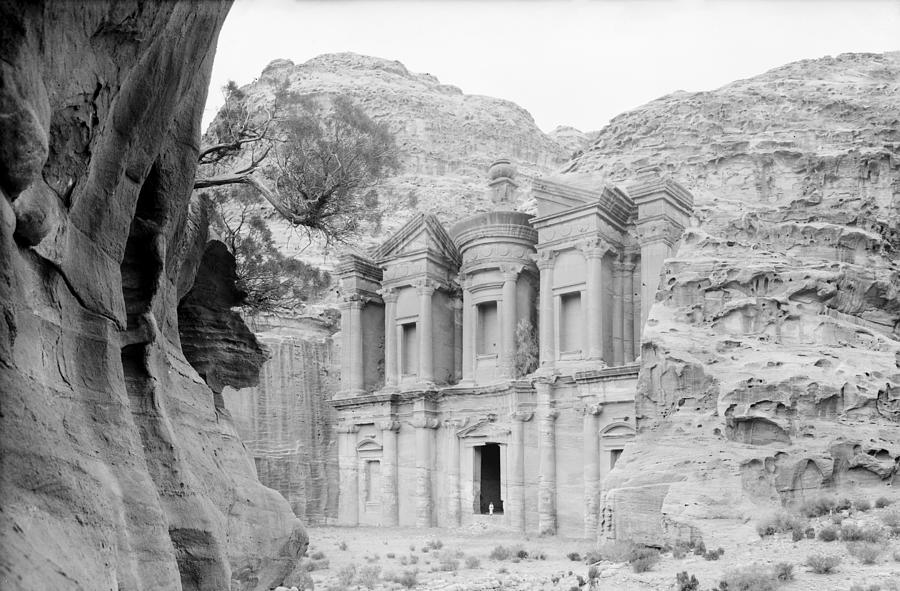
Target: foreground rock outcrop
(118,471)
(771,358)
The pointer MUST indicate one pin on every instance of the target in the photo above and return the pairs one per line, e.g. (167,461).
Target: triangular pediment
(423,233)
(484,428)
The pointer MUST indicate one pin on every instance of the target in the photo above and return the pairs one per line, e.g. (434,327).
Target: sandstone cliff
(770,365)
(118,471)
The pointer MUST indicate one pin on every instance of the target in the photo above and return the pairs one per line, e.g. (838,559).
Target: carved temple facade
(494,363)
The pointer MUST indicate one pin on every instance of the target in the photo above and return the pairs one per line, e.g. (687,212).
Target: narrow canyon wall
(118,472)
(770,367)
(287,421)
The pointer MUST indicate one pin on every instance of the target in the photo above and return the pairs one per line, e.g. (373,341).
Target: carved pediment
(484,428)
(421,233)
(368,445)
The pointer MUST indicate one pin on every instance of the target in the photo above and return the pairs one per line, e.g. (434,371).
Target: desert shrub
(472,562)
(500,553)
(897,555)
(643,559)
(829,533)
(810,533)
(823,564)
(425,549)
(447,561)
(521,553)
(538,555)
(342,545)
(412,547)
(617,551)
(404,560)
(318,555)
(683,582)
(368,576)
(818,506)
(715,554)
(862,505)
(346,575)
(435,544)
(882,502)
(843,504)
(891,519)
(679,552)
(391,555)
(857,587)
(796,535)
(865,552)
(409,578)
(784,571)
(750,578)
(779,522)
(851,532)
(413,559)
(502,570)
(574,556)
(837,519)
(320,564)
(593,573)
(699,548)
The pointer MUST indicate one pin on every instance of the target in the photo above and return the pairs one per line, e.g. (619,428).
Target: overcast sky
(568,62)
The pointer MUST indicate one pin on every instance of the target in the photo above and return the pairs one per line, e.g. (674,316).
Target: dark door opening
(490,478)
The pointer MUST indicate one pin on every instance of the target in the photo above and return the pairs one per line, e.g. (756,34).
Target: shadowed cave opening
(487,478)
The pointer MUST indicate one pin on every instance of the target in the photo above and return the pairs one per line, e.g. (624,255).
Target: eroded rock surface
(770,364)
(117,470)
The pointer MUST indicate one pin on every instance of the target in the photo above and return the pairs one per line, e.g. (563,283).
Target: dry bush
(409,578)
(683,582)
(346,575)
(500,553)
(829,533)
(472,562)
(781,521)
(882,502)
(784,571)
(862,505)
(823,564)
(368,576)
(643,559)
(851,532)
(574,556)
(613,552)
(750,578)
(447,561)
(818,506)
(865,552)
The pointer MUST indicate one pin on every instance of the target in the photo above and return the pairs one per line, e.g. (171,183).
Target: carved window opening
(571,323)
(409,349)
(614,457)
(372,481)
(487,482)
(487,332)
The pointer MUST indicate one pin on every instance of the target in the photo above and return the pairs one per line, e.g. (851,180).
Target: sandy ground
(333,549)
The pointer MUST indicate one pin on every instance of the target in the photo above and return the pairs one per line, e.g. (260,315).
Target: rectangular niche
(409,349)
(571,323)
(487,333)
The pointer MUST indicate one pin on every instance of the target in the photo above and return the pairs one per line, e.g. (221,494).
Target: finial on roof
(502,187)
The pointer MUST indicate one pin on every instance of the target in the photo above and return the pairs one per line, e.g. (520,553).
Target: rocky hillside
(447,139)
(118,469)
(771,360)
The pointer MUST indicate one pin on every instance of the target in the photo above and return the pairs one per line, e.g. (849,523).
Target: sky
(568,62)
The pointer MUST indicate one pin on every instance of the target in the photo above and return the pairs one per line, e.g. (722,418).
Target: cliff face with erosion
(770,367)
(118,472)
(286,421)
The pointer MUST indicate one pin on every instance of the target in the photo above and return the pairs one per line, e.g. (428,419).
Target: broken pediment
(422,234)
(484,428)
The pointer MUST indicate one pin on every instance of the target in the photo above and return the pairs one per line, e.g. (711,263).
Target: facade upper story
(503,294)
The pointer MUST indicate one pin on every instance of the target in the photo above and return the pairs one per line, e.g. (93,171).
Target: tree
(315,166)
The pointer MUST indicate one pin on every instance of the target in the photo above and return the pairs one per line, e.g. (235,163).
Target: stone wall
(117,470)
(287,422)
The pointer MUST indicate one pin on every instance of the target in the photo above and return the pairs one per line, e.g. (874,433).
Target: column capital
(424,423)
(425,286)
(544,259)
(388,294)
(511,272)
(626,266)
(388,425)
(346,427)
(595,247)
(587,408)
(521,416)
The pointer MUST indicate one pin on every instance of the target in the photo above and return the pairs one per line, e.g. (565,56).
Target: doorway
(487,479)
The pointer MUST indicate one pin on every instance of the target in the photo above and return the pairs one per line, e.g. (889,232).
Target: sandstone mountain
(447,139)
(770,365)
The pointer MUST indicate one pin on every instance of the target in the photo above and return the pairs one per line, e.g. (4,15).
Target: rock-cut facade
(489,368)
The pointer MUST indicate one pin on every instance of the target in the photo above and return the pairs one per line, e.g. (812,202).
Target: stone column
(638,306)
(593,253)
(628,305)
(424,502)
(618,315)
(391,361)
(346,361)
(591,470)
(453,494)
(390,508)
(425,290)
(348,499)
(545,262)
(468,334)
(547,414)
(508,319)
(357,367)
(515,506)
